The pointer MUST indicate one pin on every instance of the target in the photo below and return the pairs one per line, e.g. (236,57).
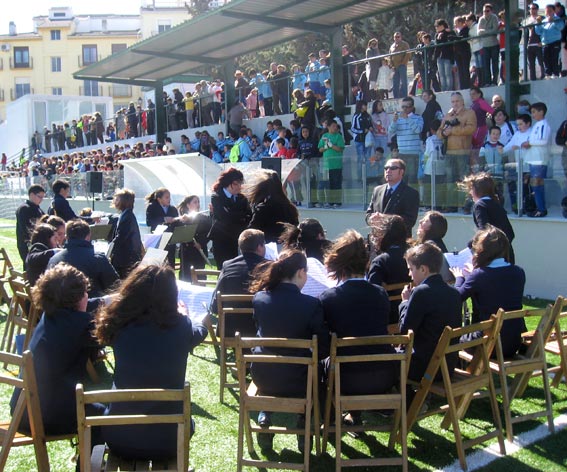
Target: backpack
(561,136)
(234,155)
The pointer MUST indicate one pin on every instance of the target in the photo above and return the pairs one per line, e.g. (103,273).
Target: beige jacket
(460,139)
(399,59)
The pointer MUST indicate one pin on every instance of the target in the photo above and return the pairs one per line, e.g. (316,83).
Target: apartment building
(42,61)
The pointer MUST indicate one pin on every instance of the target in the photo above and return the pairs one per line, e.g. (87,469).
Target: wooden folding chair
(251,400)
(102,459)
(22,316)
(28,400)
(234,306)
(5,267)
(462,382)
(210,280)
(394,295)
(556,343)
(386,401)
(522,367)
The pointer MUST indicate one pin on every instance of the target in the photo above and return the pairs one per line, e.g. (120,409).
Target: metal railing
(21,65)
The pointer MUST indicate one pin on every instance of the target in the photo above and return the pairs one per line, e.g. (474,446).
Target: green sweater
(332,159)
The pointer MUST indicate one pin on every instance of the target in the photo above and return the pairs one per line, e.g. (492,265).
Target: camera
(453,122)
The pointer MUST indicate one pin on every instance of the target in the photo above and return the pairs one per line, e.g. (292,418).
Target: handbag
(369,140)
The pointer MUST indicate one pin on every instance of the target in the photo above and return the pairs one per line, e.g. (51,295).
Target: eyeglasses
(497,101)
(391,168)
(406,106)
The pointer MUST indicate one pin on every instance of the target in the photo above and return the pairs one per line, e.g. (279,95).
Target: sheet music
(165,237)
(100,246)
(151,240)
(195,298)
(271,252)
(317,278)
(459,260)
(154,256)
(160,229)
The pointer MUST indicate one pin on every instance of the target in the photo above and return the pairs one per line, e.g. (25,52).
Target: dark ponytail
(270,274)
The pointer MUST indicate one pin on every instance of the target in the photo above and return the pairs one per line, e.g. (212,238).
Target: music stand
(100,232)
(183,234)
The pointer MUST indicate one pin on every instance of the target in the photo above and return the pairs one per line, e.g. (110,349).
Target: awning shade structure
(241,27)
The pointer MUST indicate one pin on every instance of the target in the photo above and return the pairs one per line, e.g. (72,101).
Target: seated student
(432,228)
(79,252)
(357,308)
(282,311)
(308,236)
(282,150)
(428,307)
(235,275)
(493,283)
(274,148)
(59,205)
(61,344)
(43,247)
(160,211)
(151,342)
(487,209)
(389,267)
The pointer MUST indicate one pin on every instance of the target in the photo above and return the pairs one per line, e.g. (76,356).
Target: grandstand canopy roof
(240,27)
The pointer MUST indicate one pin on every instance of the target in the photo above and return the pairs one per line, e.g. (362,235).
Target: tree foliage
(416,17)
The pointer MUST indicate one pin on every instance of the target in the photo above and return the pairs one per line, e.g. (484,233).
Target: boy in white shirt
(515,148)
(538,152)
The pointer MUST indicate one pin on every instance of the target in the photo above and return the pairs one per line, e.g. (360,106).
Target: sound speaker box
(94,182)
(273,163)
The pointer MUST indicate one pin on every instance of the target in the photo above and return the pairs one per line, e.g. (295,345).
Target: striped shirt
(407,131)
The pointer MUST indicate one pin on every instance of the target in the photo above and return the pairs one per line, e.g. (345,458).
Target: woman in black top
(389,266)
(231,215)
(270,206)
(190,253)
(160,211)
(43,246)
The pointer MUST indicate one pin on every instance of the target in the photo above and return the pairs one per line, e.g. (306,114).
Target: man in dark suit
(428,307)
(395,197)
(27,215)
(79,252)
(235,276)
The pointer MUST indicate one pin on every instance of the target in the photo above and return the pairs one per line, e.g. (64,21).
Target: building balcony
(21,64)
(14,94)
(83,62)
(91,91)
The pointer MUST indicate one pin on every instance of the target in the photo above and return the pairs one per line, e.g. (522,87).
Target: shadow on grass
(198,411)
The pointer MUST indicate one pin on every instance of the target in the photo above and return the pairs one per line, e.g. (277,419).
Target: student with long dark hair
(270,206)
(231,215)
(389,266)
(492,284)
(61,344)
(160,211)
(308,236)
(282,311)
(43,246)
(151,337)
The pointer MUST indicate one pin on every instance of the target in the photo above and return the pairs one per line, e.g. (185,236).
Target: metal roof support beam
(137,82)
(178,57)
(337,74)
(229,89)
(512,87)
(160,114)
(280,22)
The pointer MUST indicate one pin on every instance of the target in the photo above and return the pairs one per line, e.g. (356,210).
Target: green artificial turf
(213,447)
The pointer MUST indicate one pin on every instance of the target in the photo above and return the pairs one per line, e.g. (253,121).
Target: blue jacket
(550,32)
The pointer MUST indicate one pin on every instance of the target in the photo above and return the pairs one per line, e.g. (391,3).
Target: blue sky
(22,12)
